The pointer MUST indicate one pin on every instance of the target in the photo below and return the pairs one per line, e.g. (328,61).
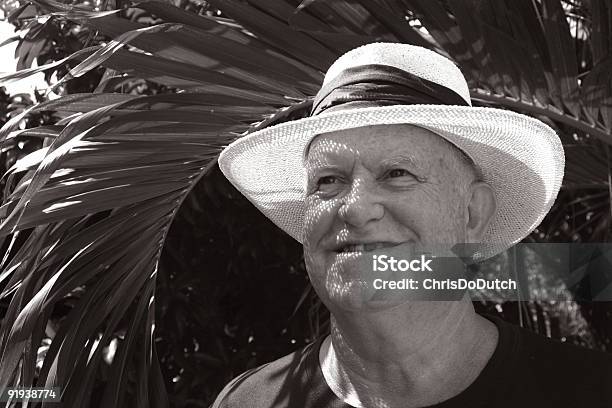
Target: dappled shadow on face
(323,204)
(344,210)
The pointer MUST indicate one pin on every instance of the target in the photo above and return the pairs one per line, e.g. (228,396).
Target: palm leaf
(96,202)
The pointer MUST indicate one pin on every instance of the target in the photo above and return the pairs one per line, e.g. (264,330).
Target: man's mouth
(365,247)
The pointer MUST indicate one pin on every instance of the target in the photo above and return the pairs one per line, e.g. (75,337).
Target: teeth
(353,248)
(364,247)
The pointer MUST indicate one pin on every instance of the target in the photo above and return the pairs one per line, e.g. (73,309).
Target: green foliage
(87,216)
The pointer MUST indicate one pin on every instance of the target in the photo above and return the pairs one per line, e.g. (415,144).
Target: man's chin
(356,296)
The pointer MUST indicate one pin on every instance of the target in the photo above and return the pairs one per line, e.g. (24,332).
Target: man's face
(375,187)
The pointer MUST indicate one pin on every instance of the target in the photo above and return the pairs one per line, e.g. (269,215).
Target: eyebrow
(399,159)
(395,160)
(325,160)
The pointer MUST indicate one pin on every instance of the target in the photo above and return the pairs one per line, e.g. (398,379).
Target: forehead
(379,142)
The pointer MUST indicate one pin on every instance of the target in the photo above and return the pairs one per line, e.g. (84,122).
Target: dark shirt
(525,370)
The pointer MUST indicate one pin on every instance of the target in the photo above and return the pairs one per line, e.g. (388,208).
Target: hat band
(384,84)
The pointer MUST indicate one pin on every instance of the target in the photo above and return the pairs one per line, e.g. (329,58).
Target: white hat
(520,157)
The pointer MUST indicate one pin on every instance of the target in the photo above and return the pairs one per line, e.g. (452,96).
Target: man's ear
(480,210)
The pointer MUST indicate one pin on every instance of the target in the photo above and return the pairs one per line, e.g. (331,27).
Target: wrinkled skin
(388,183)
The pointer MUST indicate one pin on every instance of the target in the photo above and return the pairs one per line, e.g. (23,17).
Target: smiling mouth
(366,247)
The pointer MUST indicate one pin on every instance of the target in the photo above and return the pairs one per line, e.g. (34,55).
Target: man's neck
(411,356)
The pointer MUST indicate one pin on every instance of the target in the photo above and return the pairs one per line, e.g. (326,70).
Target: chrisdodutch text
(386,263)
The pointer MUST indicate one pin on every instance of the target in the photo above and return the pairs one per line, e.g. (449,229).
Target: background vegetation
(134,275)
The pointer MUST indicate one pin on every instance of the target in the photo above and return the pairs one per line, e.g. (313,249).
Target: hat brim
(520,157)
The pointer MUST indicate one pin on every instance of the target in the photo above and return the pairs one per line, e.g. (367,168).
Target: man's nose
(361,205)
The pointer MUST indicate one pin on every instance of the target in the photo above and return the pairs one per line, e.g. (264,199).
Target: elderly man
(394,156)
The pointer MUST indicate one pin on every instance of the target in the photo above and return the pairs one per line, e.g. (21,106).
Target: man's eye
(327,180)
(398,173)
(326,185)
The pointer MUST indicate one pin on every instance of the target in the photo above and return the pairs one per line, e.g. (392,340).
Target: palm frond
(95,204)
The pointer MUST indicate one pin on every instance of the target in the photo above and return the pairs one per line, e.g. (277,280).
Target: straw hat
(387,83)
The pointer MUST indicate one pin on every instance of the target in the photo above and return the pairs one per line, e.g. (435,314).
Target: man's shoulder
(268,384)
(549,353)
(537,350)
(563,373)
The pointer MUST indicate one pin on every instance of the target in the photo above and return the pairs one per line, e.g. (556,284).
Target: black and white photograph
(306,203)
